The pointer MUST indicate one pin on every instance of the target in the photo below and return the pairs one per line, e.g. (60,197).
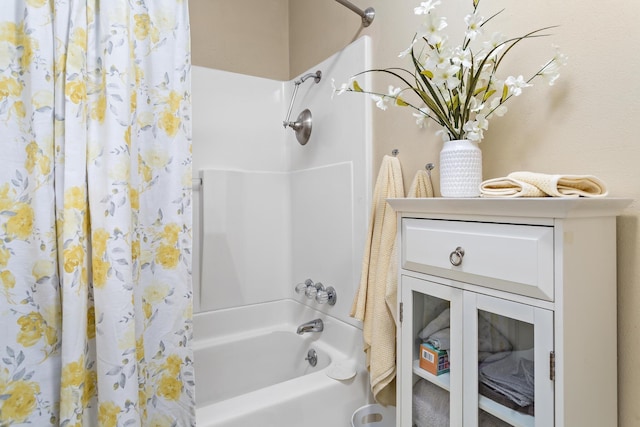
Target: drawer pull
(455,257)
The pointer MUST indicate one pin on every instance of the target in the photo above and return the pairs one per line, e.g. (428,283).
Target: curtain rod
(367,15)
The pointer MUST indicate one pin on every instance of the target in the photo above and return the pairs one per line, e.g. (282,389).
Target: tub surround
(277,212)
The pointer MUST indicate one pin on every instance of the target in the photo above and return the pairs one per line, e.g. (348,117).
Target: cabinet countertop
(542,207)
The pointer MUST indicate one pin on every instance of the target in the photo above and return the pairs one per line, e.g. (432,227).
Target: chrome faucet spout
(315,325)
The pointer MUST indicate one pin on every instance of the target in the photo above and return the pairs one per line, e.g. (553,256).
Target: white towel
(532,184)
(370,305)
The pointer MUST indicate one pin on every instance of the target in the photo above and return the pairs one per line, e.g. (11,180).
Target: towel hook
(395,152)
(429,167)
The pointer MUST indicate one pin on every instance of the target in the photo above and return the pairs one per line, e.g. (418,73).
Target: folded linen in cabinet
(510,374)
(431,408)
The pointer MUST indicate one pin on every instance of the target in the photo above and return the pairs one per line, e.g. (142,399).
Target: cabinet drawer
(509,257)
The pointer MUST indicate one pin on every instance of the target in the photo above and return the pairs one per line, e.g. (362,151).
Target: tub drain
(312,357)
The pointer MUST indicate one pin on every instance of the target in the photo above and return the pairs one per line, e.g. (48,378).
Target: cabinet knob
(455,257)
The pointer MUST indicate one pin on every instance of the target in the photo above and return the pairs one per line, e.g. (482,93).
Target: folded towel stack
(531,184)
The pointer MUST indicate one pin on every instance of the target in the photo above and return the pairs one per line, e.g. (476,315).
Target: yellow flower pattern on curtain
(95,213)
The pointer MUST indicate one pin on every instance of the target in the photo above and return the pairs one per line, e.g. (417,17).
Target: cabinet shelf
(515,418)
(441,380)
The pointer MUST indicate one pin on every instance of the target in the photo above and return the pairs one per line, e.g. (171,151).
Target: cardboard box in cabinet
(433,360)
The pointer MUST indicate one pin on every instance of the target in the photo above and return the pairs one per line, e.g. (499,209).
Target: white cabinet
(516,300)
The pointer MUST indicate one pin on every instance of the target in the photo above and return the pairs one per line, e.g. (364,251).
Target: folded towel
(490,339)
(421,185)
(510,374)
(532,184)
(509,187)
(431,408)
(370,304)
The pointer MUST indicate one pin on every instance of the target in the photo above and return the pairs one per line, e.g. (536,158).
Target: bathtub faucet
(315,325)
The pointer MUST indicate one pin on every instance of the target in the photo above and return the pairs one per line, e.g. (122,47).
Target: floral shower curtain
(95,213)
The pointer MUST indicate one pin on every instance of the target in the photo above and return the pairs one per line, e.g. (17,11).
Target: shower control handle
(317,291)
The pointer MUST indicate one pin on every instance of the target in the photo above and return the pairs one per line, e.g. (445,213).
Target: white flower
(339,91)
(438,59)
(551,71)
(515,85)
(407,50)
(443,134)
(474,129)
(381,102)
(447,76)
(474,105)
(474,25)
(498,109)
(421,117)
(431,28)
(496,42)
(462,57)
(426,7)
(394,92)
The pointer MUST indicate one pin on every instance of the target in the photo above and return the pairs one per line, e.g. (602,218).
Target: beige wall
(243,36)
(584,124)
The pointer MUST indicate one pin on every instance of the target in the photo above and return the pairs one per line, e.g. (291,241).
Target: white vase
(460,169)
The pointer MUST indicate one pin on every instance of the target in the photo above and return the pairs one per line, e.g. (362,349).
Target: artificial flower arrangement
(457,87)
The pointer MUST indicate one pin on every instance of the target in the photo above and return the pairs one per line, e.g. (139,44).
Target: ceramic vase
(460,169)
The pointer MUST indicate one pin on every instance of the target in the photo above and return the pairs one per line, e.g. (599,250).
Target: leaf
(114,371)
(427,73)
(356,87)
(10,352)
(488,94)
(400,102)
(18,375)
(505,93)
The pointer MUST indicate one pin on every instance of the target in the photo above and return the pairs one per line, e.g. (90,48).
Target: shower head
(317,76)
(302,126)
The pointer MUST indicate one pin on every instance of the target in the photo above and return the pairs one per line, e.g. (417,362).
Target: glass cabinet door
(431,354)
(508,383)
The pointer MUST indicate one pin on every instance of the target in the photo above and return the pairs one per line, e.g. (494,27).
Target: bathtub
(251,369)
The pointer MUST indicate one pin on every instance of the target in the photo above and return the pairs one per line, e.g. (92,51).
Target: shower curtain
(95,213)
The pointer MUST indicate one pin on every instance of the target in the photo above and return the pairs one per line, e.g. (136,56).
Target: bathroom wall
(242,36)
(272,212)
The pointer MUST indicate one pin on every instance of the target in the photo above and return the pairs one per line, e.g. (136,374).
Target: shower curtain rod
(367,15)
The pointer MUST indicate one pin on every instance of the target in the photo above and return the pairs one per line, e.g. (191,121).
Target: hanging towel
(532,184)
(421,185)
(370,305)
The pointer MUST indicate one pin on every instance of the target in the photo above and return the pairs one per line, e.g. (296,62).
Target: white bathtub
(251,369)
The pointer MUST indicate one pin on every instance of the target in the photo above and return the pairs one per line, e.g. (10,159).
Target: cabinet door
(508,351)
(430,393)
